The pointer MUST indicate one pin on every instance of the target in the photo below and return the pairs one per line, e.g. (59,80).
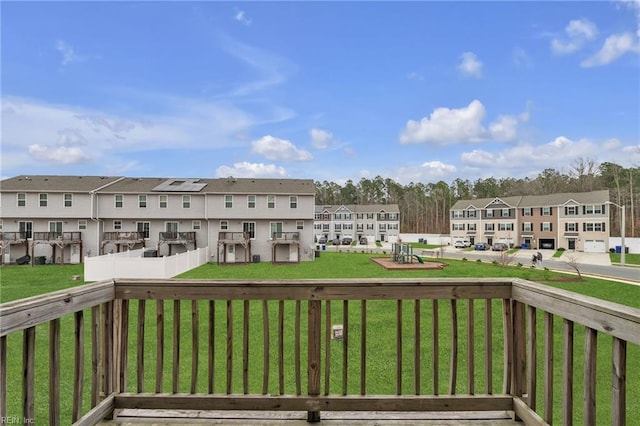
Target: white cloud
(68,53)
(60,155)
(426,172)
(470,66)
(241,17)
(246,170)
(614,47)
(321,139)
(578,32)
(276,149)
(415,76)
(463,125)
(521,59)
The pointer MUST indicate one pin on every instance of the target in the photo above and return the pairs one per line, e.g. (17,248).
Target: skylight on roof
(180,185)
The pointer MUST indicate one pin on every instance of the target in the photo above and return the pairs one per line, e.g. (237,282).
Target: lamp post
(622,231)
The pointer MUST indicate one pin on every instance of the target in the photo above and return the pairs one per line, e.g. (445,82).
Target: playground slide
(418,257)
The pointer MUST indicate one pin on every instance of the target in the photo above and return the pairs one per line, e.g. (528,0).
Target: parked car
(481,246)
(336,242)
(364,241)
(462,244)
(347,241)
(500,247)
(322,240)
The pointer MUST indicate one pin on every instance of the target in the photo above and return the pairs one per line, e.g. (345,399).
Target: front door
(572,243)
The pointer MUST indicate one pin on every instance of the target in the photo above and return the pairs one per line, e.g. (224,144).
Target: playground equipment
(403,253)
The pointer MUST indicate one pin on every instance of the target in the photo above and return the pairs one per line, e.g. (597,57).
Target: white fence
(133,264)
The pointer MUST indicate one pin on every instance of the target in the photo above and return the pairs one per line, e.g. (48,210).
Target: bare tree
(572,261)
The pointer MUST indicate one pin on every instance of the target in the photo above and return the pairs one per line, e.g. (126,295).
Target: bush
(479,260)
(464,259)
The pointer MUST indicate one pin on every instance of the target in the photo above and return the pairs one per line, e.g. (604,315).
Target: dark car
(364,241)
(500,247)
(481,246)
(336,242)
(347,241)
(322,240)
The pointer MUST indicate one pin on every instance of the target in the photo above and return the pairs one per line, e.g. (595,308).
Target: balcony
(185,239)
(208,347)
(128,239)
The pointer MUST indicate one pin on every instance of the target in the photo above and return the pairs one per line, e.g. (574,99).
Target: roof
(142,185)
(593,197)
(360,208)
(51,183)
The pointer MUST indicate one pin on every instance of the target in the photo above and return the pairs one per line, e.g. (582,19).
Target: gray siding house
(377,222)
(63,218)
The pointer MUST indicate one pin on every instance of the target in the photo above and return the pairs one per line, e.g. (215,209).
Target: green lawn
(23,281)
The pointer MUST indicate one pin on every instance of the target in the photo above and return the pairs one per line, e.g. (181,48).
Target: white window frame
(527,226)
(196,224)
(145,230)
(186,201)
(299,225)
(142,201)
(489,227)
(471,226)
(117,225)
(458,214)
(43,199)
(527,211)
(275,228)
(271,201)
(251,201)
(228,201)
(55,226)
(82,224)
(293,201)
(489,212)
(545,227)
(67,199)
(224,225)
(571,227)
(163,201)
(546,211)
(118,201)
(505,213)
(21,197)
(457,226)
(249,227)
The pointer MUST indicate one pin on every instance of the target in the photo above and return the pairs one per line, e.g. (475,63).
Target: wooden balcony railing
(233,236)
(177,236)
(123,236)
(53,236)
(290,236)
(445,344)
(13,236)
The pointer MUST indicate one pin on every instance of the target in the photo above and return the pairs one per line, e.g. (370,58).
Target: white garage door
(594,246)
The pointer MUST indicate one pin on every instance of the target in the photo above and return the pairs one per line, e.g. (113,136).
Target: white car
(462,244)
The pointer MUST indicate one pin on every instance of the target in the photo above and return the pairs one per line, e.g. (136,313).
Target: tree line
(424,207)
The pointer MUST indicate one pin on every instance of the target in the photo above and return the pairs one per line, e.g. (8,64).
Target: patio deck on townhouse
(270,352)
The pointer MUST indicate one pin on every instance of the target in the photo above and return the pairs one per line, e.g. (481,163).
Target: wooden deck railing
(177,236)
(290,236)
(13,236)
(123,236)
(406,345)
(52,236)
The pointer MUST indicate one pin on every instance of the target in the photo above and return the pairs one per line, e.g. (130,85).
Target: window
(271,201)
(317,226)
(337,227)
(489,227)
(392,226)
(293,202)
(505,226)
(228,201)
(594,227)
(545,211)
(26,228)
(489,212)
(44,200)
(0,224)
(571,227)
(369,226)
(505,212)
(546,227)
(22,199)
(144,228)
(471,213)
(171,227)
(55,227)
(570,210)
(527,211)
(370,216)
(359,215)
(119,200)
(360,227)
(347,226)
(82,224)
(224,224)
(249,227)
(117,225)
(457,226)
(195,225)
(593,209)
(276,230)
(457,214)
(68,200)
(142,201)
(471,227)
(527,227)
(164,201)
(251,201)
(325,227)
(186,201)
(382,227)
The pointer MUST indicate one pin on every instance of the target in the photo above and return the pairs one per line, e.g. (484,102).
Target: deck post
(314,332)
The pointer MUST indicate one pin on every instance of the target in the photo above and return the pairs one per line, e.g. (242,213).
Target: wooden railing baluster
(140,346)
(266,347)
(470,349)
(507,324)
(175,376)
(417,343)
(590,364)
(54,372)
(159,344)
(488,346)
(281,347)
(245,348)
(28,375)
(567,373)
(124,346)
(78,366)
(435,351)
(532,358)
(619,385)
(363,349)
(195,344)
(453,366)
(314,344)
(3,376)
(548,368)
(327,346)
(345,344)
(229,345)
(211,373)
(95,355)
(399,347)
(297,348)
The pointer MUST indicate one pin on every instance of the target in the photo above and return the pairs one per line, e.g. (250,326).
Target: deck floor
(131,417)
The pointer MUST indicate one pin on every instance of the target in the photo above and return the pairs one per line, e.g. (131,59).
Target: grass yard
(24,281)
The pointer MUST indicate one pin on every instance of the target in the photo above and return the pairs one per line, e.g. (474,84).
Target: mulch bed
(387,263)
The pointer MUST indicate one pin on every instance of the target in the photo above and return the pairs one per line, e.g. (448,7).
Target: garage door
(594,246)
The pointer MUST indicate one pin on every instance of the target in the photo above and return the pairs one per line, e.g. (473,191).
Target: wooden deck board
(131,417)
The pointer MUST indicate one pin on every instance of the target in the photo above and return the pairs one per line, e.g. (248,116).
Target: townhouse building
(376,222)
(64,218)
(573,221)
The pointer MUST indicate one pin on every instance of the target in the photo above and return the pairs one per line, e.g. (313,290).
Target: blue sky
(413,91)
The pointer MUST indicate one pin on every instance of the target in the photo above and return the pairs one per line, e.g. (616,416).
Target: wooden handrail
(227,313)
